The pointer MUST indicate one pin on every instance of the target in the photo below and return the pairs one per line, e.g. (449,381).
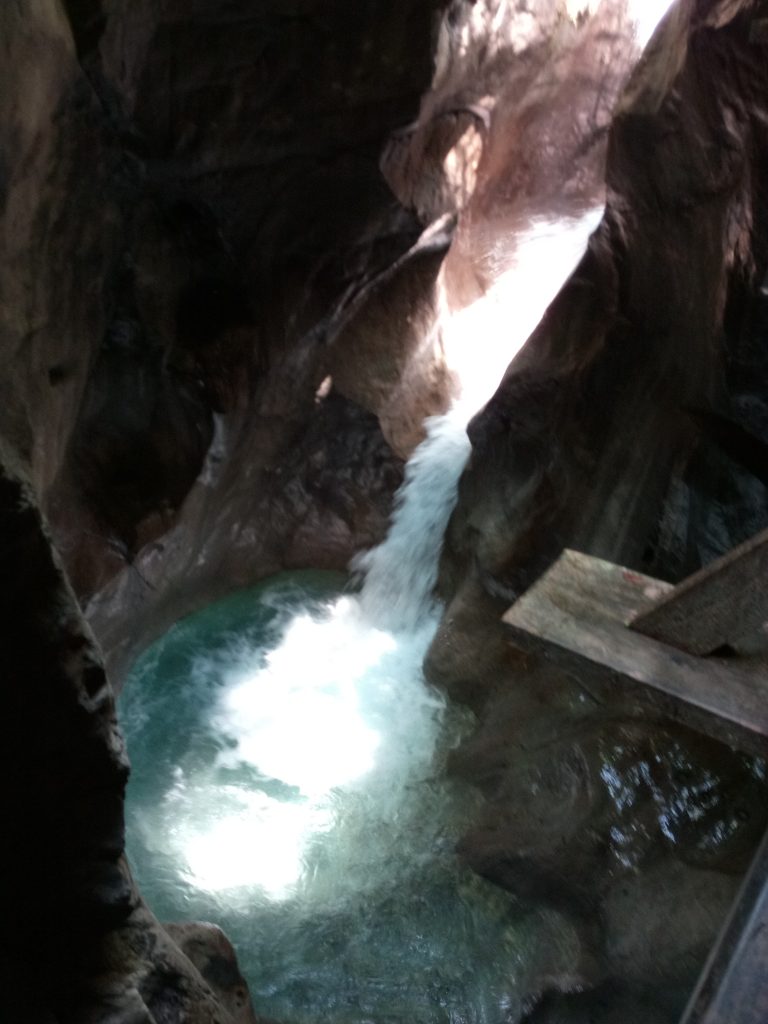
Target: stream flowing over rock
(245,249)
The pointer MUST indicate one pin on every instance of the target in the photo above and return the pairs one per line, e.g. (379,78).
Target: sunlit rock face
(511,142)
(631,426)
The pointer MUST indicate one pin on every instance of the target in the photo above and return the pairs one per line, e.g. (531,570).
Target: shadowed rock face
(193,210)
(63,765)
(632,426)
(213,955)
(76,942)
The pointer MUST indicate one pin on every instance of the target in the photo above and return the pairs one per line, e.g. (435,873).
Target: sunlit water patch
(527,266)
(287,784)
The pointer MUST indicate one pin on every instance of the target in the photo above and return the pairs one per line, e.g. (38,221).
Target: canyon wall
(223,258)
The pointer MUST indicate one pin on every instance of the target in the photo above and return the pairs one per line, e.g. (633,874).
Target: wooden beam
(592,588)
(733,987)
(724,601)
(564,616)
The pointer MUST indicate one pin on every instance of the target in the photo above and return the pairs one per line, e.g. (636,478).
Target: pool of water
(286,784)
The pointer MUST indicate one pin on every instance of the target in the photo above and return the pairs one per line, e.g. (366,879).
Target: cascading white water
(400,574)
(480,342)
(304,796)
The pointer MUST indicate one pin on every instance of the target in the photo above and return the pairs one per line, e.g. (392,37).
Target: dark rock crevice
(88,19)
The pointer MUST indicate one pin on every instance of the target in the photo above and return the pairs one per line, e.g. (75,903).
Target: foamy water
(400,574)
(300,802)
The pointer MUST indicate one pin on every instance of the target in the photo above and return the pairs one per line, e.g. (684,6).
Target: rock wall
(76,942)
(193,211)
(632,426)
(656,339)
(220,324)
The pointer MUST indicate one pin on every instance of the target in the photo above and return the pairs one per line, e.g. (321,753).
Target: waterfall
(645,15)
(481,340)
(400,574)
(341,702)
(303,805)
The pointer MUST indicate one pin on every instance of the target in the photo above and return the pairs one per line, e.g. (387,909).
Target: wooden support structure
(577,614)
(717,605)
(605,623)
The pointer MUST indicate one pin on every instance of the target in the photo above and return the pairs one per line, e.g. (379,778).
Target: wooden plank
(724,700)
(592,588)
(724,601)
(733,987)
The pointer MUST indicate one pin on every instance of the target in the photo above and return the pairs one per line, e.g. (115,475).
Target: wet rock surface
(76,942)
(212,953)
(657,335)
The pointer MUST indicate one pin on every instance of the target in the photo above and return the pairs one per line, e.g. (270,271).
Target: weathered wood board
(733,987)
(575,614)
(724,601)
(592,588)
